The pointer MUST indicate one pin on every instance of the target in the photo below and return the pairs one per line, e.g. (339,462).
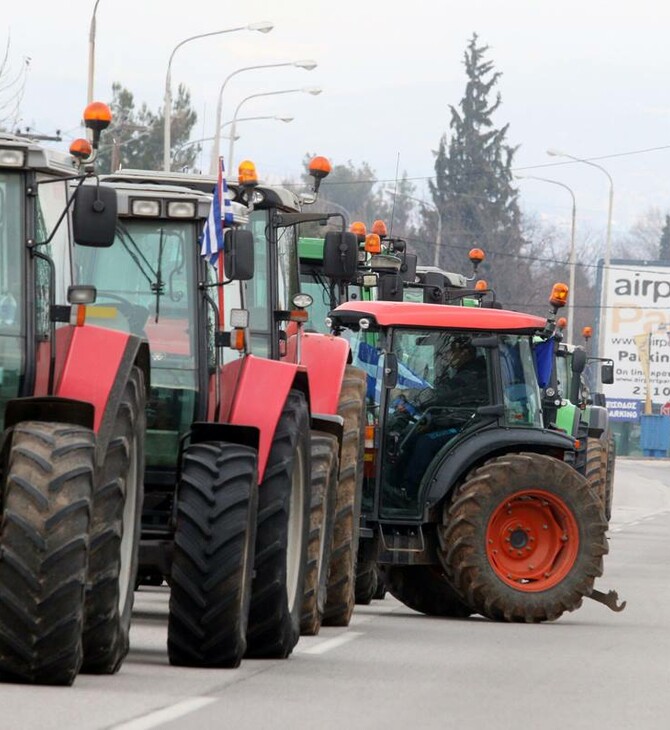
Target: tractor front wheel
(282,537)
(47,487)
(523,538)
(115,535)
(325,467)
(210,583)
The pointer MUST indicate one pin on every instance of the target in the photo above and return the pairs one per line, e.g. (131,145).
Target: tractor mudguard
(598,421)
(325,358)
(452,463)
(49,408)
(202,431)
(261,389)
(95,370)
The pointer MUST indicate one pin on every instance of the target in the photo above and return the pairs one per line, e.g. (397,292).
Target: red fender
(325,358)
(90,366)
(260,391)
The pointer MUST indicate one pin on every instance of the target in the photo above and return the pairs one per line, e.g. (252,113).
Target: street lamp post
(573,259)
(262,27)
(216,148)
(313,90)
(91,55)
(438,238)
(608,244)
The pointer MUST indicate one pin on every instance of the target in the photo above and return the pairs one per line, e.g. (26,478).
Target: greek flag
(220,217)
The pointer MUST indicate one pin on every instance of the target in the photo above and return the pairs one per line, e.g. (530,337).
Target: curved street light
(573,260)
(261,27)
(308,65)
(608,243)
(277,117)
(313,90)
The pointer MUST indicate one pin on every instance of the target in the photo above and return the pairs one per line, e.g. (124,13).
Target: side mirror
(607,374)
(238,254)
(94,216)
(390,370)
(340,255)
(390,288)
(578,360)
(433,292)
(408,268)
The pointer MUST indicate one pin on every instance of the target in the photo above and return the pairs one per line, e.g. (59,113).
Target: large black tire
(325,468)
(426,589)
(212,567)
(595,467)
(473,548)
(610,465)
(366,582)
(44,542)
(342,573)
(115,535)
(282,537)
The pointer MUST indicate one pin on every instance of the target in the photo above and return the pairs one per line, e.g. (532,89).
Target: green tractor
(470,504)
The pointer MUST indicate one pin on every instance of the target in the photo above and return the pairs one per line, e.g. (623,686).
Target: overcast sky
(589,77)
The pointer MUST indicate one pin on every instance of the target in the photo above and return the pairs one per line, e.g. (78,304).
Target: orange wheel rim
(532,540)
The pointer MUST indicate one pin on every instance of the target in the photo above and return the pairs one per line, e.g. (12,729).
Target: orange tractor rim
(532,540)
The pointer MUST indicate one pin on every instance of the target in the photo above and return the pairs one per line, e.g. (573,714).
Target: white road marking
(166,714)
(329,644)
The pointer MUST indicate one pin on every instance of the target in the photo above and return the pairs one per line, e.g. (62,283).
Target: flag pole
(221,278)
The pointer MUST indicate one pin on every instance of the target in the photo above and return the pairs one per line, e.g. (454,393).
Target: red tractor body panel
(258,399)
(325,358)
(90,367)
(411,314)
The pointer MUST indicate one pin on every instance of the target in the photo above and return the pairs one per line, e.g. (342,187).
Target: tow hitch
(609,599)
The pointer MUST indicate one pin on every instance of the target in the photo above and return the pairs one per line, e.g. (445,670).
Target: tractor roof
(411,314)
(38,157)
(273,195)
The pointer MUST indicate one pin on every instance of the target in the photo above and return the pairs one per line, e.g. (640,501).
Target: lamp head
(263,26)
(284,119)
(313,90)
(308,64)
(555,153)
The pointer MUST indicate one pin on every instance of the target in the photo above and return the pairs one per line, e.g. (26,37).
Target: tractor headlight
(145,208)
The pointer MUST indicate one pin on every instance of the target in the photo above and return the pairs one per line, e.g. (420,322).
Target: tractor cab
(441,379)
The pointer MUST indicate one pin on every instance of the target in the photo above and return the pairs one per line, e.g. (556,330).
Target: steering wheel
(136,314)
(458,414)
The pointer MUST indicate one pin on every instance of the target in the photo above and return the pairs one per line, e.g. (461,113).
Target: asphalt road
(394,668)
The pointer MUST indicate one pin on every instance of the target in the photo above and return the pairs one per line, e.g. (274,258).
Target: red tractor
(470,504)
(233,410)
(72,400)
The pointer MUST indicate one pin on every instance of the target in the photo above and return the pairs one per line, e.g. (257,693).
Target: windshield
(313,283)
(563,374)
(12,324)
(442,380)
(521,393)
(146,285)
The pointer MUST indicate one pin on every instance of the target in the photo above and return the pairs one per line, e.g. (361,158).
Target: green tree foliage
(135,136)
(664,244)
(473,187)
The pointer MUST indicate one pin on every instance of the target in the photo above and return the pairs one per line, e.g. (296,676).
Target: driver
(462,383)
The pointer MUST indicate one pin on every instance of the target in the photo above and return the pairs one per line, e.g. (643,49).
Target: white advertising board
(637,325)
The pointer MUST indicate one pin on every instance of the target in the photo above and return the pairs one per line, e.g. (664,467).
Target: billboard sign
(637,331)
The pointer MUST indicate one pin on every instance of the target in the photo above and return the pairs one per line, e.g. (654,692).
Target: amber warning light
(587,333)
(97,116)
(559,295)
(561,323)
(379,227)
(476,256)
(319,167)
(81,149)
(481,285)
(246,174)
(358,227)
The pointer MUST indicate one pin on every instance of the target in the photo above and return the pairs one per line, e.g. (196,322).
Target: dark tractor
(469,502)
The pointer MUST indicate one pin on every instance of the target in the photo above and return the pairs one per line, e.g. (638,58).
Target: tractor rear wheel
(325,463)
(426,589)
(366,582)
(115,535)
(610,465)
(47,488)
(342,573)
(212,567)
(595,467)
(523,538)
(382,585)
(282,537)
